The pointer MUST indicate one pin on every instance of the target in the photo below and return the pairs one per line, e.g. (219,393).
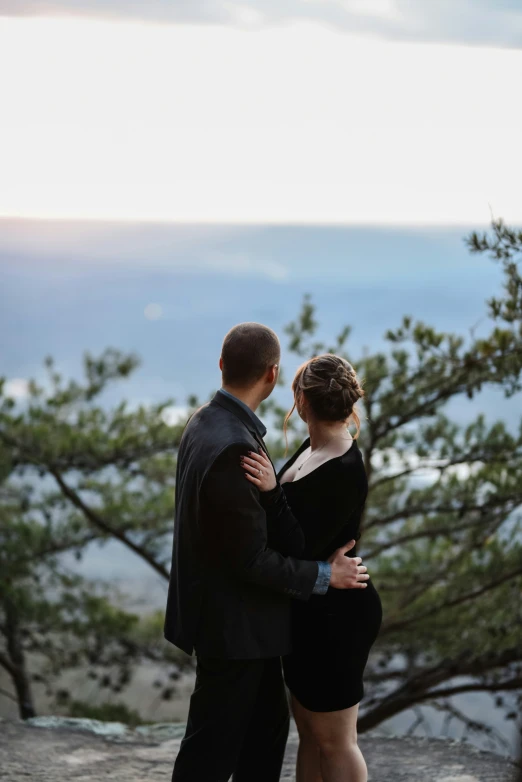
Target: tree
(442,526)
(49,614)
(66,469)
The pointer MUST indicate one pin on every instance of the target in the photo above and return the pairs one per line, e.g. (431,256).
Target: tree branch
(55,548)
(101,524)
(458,384)
(420,510)
(6,663)
(474,593)
(419,687)
(426,533)
(508,684)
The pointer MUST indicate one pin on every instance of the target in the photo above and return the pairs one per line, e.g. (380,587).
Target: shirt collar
(259,426)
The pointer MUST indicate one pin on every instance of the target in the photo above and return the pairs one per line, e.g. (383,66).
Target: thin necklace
(309,455)
(319,449)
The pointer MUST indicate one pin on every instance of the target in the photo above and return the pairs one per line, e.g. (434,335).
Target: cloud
(175,414)
(192,123)
(240,263)
(158,247)
(17,388)
(492,22)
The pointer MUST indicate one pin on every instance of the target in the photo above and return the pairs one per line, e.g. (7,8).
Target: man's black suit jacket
(233,575)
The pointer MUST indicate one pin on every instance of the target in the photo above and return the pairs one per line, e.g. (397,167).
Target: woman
(324,484)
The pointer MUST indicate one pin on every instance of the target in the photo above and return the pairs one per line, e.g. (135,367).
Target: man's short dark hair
(249,349)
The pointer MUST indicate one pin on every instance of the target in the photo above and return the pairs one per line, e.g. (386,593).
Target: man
(231,584)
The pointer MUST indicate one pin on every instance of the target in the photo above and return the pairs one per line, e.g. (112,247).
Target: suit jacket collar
(247,416)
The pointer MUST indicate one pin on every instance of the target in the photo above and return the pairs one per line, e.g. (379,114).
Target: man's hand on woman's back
(347,572)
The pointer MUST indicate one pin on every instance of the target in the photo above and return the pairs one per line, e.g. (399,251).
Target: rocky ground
(52,750)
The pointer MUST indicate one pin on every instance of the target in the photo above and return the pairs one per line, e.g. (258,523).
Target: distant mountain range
(67,287)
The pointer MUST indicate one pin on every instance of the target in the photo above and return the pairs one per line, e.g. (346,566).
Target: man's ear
(221,364)
(272,373)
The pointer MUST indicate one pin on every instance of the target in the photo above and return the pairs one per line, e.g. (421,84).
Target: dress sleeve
(284,531)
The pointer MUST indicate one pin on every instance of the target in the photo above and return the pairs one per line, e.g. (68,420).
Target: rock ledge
(50,749)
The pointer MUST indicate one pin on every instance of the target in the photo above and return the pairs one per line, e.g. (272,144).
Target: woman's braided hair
(331,388)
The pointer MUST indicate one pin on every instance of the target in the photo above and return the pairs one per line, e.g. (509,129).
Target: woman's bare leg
(335,735)
(308,768)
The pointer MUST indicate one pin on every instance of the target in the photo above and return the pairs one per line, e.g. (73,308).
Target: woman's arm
(341,505)
(343,498)
(283,530)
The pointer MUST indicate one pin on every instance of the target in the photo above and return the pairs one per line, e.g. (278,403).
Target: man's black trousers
(237,724)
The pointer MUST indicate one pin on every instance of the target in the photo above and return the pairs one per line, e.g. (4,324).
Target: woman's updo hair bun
(334,385)
(331,388)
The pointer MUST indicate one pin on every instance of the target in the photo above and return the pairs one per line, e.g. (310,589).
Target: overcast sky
(395,113)
(497,22)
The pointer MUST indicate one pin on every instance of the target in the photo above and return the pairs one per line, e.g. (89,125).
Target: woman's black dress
(332,633)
